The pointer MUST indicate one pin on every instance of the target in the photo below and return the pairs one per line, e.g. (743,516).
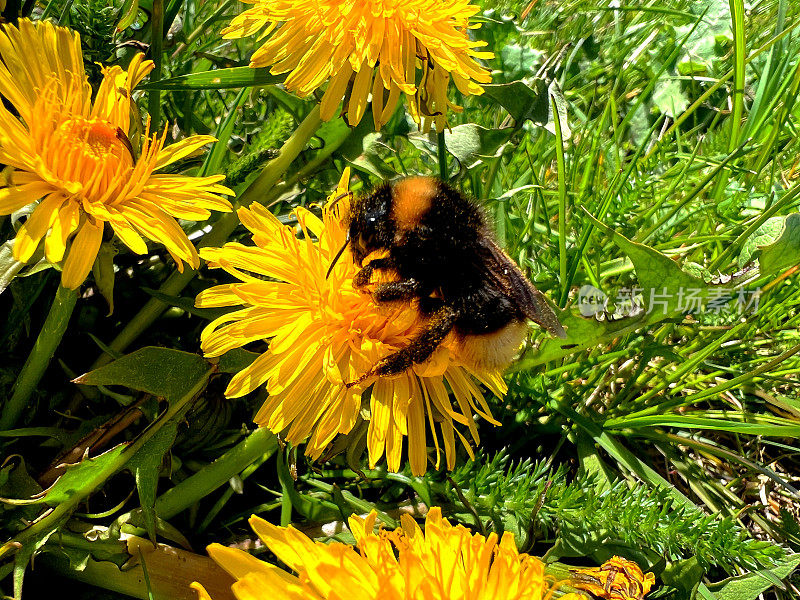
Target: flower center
(98,142)
(92,158)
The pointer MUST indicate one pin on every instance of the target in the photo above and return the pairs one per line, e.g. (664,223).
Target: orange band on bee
(412,200)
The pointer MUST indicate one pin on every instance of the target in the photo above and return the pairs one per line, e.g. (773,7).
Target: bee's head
(371,226)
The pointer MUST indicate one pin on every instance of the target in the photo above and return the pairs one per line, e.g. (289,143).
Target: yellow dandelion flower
(616,579)
(443,562)
(73,154)
(322,333)
(382,48)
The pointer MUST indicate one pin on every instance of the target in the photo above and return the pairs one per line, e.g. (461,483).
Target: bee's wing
(507,276)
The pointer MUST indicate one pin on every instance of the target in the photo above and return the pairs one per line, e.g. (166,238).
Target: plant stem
(259,189)
(562,208)
(175,500)
(156,52)
(49,338)
(442,156)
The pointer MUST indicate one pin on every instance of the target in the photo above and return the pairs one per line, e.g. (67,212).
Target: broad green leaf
(669,98)
(80,478)
(363,148)
(523,103)
(217,79)
(235,360)
(582,333)
(784,252)
(519,61)
(176,376)
(684,576)
(702,43)
(765,235)
(664,284)
(751,585)
(169,374)
(11,267)
(365,156)
(146,466)
(470,142)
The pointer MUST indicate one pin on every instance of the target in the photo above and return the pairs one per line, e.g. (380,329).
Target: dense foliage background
(667,437)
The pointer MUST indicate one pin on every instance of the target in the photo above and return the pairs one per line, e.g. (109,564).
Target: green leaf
(669,98)
(519,61)
(165,373)
(471,142)
(660,277)
(363,152)
(765,235)
(10,267)
(582,333)
(235,360)
(16,482)
(213,161)
(756,426)
(129,10)
(77,478)
(146,467)
(217,79)
(751,585)
(523,103)
(684,576)
(24,556)
(784,252)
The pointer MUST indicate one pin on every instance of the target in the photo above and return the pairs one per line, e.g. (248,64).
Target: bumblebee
(440,252)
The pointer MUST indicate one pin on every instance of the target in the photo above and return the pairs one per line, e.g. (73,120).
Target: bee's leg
(363,277)
(397,290)
(418,351)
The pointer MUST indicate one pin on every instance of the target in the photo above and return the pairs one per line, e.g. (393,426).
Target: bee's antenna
(334,201)
(338,254)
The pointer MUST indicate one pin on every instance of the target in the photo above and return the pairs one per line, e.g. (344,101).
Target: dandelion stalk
(49,338)
(259,443)
(442,155)
(259,189)
(156,48)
